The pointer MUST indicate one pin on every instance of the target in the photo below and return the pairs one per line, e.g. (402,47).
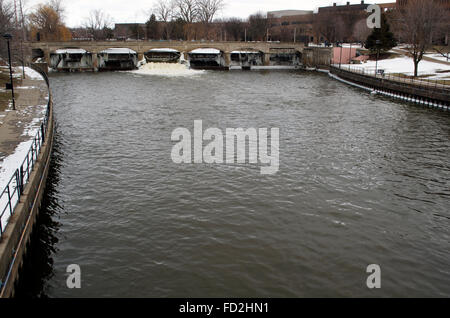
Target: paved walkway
(31,94)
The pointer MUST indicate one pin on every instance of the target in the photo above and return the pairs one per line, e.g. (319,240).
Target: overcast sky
(136,10)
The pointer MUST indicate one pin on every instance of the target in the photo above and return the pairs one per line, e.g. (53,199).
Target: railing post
(28,165)
(9,200)
(43,133)
(18,184)
(21,179)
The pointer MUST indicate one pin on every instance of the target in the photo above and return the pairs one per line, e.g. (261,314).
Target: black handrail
(10,196)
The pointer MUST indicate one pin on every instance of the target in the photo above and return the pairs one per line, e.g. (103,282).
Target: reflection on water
(38,263)
(363,180)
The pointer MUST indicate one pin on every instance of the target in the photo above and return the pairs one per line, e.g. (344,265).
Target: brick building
(291,25)
(123,31)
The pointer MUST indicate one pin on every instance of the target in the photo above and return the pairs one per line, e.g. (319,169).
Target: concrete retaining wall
(427,93)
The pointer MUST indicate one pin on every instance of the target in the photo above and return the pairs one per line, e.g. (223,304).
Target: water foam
(166,69)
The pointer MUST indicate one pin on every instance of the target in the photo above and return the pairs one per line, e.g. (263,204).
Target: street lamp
(377,42)
(8,37)
(340,55)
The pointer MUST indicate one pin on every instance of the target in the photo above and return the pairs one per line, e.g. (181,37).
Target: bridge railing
(11,194)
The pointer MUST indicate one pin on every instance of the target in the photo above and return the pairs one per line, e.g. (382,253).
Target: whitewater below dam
(363,180)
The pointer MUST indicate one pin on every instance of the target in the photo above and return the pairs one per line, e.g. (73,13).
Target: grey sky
(136,10)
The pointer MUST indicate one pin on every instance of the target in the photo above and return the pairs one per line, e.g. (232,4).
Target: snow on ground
(166,69)
(31,74)
(404,65)
(8,167)
(10,164)
(438,57)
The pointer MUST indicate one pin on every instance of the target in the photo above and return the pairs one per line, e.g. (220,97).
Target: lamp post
(377,42)
(8,37)
(340,55)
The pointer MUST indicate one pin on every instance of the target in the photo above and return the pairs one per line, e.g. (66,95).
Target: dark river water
(363,180)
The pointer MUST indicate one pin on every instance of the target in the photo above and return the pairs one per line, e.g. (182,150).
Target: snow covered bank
(30,128)
(404,65)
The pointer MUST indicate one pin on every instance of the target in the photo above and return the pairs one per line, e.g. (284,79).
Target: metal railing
(11,194)
(418,82)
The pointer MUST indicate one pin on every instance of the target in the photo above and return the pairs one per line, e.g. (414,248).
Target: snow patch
(164,50)
(118,50)
(403,65)
(70,51)
(205,51)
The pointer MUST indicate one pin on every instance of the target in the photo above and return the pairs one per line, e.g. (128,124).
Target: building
(291,25)
(329,24)
(124,31)
(386,7)
(344,9)
(444,3)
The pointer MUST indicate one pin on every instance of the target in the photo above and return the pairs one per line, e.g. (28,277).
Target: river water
(363,180)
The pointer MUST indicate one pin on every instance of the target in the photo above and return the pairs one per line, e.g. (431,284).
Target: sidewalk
(17,128)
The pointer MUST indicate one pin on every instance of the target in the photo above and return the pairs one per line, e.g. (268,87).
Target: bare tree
(418,24)
(361,31)
(234,27)
(329,26)
(257,27)
(207,9)
(6,23)
(98,23)
(164,11)
(58,6)
(187,10)
(6,16)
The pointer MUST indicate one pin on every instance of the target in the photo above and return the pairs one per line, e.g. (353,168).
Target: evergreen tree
(384,35)
(151,28)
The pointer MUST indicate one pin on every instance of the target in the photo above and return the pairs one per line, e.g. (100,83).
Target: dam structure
(108,55)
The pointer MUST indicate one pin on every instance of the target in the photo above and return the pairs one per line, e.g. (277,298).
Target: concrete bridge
(183,46)
(268,49)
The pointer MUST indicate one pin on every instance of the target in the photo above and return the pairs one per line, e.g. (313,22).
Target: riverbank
(418,92)
(26,136)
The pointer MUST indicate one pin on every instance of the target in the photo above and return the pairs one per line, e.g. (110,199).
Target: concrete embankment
(423,93)
(16,235)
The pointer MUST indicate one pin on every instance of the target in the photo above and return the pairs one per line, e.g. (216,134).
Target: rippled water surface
(363,180)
